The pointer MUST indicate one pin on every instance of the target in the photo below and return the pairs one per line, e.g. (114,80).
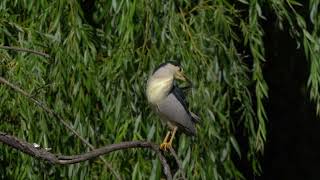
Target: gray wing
(175,112)
(178,93)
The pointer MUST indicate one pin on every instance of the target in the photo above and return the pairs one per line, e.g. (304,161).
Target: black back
(178,93)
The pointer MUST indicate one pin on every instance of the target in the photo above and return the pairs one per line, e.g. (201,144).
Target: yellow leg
(165,141)
(172,136)
(167,145)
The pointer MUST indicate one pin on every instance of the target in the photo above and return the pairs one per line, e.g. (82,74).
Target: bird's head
(170,70)
(161,81)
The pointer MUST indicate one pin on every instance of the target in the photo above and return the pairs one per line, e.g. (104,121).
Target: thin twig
(46,108)
(51,112)
(43,154)
(25,50)
(174,154)
(113,171)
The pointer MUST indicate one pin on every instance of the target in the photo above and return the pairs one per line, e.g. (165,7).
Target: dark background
(292,148)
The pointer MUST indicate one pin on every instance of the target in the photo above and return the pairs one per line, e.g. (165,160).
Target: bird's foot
(165,146)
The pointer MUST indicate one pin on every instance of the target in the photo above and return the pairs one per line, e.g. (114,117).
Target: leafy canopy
(101,55)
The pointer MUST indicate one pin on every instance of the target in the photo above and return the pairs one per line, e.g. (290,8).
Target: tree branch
(25,50)
(43,106)
(51,112)
(174,154)
(43,154)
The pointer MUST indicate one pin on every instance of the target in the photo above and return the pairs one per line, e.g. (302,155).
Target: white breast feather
(158,89)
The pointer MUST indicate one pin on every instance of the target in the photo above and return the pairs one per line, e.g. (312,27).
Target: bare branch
(174,154)
(46,108)
(43,106)
(25,50)
(42,154)
(51,112)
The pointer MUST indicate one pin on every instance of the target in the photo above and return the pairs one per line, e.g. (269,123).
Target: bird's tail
(195,118)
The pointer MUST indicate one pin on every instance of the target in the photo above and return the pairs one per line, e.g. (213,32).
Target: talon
(165,146)
(167,143)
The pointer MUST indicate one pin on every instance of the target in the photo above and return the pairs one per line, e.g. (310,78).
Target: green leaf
(151,132)
(235,145)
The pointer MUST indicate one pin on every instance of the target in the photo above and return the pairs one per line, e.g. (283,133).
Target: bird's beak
(180,75)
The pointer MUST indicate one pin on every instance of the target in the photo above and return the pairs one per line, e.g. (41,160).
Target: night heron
(169,101)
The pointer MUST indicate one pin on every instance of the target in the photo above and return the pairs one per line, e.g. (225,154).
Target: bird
(169,102)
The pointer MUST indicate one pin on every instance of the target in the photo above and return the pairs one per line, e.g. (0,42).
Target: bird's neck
(158,89)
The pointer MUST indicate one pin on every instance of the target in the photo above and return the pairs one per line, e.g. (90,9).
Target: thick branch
(43,154)
(53,113)
(25,50)
(46,108)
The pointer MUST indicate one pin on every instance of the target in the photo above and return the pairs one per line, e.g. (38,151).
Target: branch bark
(55,159)
(46,108)
(174,154)
(45,155)
(53,113)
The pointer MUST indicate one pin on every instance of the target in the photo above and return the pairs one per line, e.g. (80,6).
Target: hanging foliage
(101,53)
